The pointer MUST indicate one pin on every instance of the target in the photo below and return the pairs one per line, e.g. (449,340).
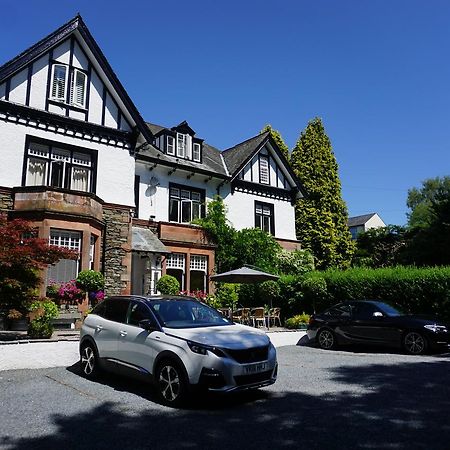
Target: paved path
(41,355)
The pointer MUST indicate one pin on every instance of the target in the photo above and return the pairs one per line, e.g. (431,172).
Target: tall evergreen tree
(321,217)
(278,139)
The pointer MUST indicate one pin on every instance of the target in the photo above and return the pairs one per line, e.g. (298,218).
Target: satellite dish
(150,191)
(154,182)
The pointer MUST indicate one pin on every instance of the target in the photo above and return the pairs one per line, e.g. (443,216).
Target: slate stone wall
(117,250)
(6,202)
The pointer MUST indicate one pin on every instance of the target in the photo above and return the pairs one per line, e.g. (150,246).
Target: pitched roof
(359,220)
(235,157)
(50,41)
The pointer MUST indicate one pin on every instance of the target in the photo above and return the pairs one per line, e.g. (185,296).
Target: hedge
(414,290)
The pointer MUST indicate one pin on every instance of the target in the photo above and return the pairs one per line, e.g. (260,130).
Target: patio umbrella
(244,275)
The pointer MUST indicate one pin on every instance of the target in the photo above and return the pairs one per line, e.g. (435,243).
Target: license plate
(255,368)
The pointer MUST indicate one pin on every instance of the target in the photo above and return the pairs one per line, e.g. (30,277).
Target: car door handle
(123,333)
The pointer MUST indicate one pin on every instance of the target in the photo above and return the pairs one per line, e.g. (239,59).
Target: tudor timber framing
(43,120)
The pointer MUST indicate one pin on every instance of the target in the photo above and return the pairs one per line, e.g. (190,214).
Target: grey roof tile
(359,220)
(235,156)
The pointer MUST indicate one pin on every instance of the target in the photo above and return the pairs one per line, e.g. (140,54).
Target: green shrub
(298,321)
(168,285)
(227,294)
(38,329)
(44,311)
(415,290)
(90,280)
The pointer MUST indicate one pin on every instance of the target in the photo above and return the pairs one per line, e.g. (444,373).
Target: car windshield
(180,313)
(388,309)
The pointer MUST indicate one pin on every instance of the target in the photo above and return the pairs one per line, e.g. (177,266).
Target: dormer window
(170,145)
(59,82)
(181,145)
(196,152)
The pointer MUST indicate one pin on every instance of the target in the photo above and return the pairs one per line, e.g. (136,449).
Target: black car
(375,322)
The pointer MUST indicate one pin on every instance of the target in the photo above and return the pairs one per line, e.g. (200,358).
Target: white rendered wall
(374,222)
(115,166)
(157,203)
(241,213)
(38,89)
(18,88)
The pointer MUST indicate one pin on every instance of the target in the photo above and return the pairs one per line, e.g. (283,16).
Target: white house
(81,164)
(360,224)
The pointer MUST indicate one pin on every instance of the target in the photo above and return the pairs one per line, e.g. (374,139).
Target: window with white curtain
(50,165)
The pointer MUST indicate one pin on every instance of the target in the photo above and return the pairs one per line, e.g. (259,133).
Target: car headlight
(203,349)
(436,328)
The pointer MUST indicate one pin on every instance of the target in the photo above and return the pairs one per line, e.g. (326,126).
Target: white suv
(177,341)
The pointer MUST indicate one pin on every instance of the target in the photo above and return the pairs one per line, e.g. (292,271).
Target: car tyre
(414,343)
(326,339)
(171,382)
(89,360)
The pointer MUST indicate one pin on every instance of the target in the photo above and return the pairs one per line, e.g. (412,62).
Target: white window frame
(59,98)
(176,261)
(181,145)
(75,87)
(264,177)
(196,152)
(170,145)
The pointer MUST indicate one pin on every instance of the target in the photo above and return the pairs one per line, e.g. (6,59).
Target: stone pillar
(117,250)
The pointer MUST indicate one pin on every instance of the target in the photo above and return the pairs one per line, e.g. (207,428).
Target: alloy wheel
(414,343)
(169,383)
(326,339)
(88,361)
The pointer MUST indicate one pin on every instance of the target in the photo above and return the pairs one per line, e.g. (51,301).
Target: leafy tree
(22,255)
(297,262)
(276,136)
(218,229)
(321,217)
(381,247)
(429,245)
(420,200)
(256,247)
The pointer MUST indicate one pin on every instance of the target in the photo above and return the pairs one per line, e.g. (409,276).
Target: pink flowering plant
(69,292)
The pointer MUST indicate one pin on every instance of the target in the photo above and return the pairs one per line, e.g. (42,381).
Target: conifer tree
(278,139)
(321,217)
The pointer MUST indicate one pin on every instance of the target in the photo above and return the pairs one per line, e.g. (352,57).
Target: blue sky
(377,72)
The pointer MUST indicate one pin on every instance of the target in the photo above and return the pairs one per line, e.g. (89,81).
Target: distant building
(360,224)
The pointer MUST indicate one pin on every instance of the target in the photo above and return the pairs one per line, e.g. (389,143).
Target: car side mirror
(148,325)
(377,314)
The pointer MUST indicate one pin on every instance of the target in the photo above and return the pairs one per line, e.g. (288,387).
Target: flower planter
(18,324)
